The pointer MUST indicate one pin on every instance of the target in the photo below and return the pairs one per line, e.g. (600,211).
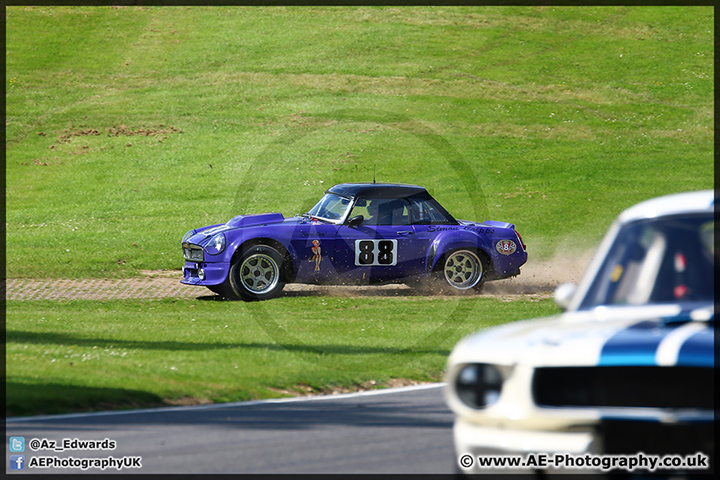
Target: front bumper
(214,273)
(480,441)
(476,440)
(591,448)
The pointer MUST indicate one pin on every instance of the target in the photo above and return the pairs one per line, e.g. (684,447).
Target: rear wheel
(463,271)
(256,274)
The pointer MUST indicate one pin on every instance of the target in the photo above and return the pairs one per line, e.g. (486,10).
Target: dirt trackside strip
(537,278)
(99,289)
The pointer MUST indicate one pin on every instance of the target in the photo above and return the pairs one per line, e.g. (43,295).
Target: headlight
(216,244)
(187,235)
(478,385)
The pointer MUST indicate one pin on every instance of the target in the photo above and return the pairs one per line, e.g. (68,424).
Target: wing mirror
(564,294)
(355,221)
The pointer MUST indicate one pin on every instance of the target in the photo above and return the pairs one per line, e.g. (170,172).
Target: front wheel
(463,271)
(225,290)
(256,274)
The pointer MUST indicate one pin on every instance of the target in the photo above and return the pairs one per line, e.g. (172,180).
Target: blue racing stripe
(636,345)
(698,350)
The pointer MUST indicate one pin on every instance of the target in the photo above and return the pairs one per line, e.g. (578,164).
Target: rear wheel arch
(439,256)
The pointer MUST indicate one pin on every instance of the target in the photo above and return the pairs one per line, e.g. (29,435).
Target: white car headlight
(478,385)
(216,244)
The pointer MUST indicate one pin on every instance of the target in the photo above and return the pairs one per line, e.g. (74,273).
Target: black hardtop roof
(378,190)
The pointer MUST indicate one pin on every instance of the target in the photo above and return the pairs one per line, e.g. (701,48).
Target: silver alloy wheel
(259,273)
(463,269)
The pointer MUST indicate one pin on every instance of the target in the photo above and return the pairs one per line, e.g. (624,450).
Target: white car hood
(578,338)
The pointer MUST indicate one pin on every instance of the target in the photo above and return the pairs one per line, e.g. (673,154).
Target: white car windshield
(331,208)
(663,260)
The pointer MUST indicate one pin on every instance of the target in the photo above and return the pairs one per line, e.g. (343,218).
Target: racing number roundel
(376,253)
(506,247)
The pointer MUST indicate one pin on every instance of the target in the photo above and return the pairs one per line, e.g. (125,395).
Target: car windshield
(655,261)
(331,208)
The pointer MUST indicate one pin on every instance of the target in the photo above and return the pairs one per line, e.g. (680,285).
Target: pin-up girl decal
(317,257)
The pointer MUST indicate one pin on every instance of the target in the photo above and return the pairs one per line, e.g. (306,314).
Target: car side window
(383,211)
(423,212)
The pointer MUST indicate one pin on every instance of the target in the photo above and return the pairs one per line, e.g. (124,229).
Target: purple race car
(358,233)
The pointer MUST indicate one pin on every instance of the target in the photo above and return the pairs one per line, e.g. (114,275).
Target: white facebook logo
(17,462)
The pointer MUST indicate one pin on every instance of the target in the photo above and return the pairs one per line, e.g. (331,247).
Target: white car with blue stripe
(627,368)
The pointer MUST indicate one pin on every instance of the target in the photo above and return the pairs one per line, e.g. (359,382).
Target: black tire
(462,271)
(224,290)
(256,274)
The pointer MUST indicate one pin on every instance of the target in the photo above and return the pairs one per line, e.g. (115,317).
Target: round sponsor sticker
(506,247)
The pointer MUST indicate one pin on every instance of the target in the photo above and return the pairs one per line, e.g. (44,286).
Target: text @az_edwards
(38,444)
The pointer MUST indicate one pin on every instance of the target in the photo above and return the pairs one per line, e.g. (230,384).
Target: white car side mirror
(564,294)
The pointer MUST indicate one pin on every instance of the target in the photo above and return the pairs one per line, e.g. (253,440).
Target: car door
(314,246)
(382,247)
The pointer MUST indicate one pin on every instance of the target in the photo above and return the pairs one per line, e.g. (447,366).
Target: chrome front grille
(193,253)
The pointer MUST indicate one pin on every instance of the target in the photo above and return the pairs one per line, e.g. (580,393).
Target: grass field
(85,355)
(127,126)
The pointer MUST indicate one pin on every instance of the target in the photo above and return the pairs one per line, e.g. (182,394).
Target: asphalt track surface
(406,430)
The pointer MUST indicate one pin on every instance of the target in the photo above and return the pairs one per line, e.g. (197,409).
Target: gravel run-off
(536,279)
